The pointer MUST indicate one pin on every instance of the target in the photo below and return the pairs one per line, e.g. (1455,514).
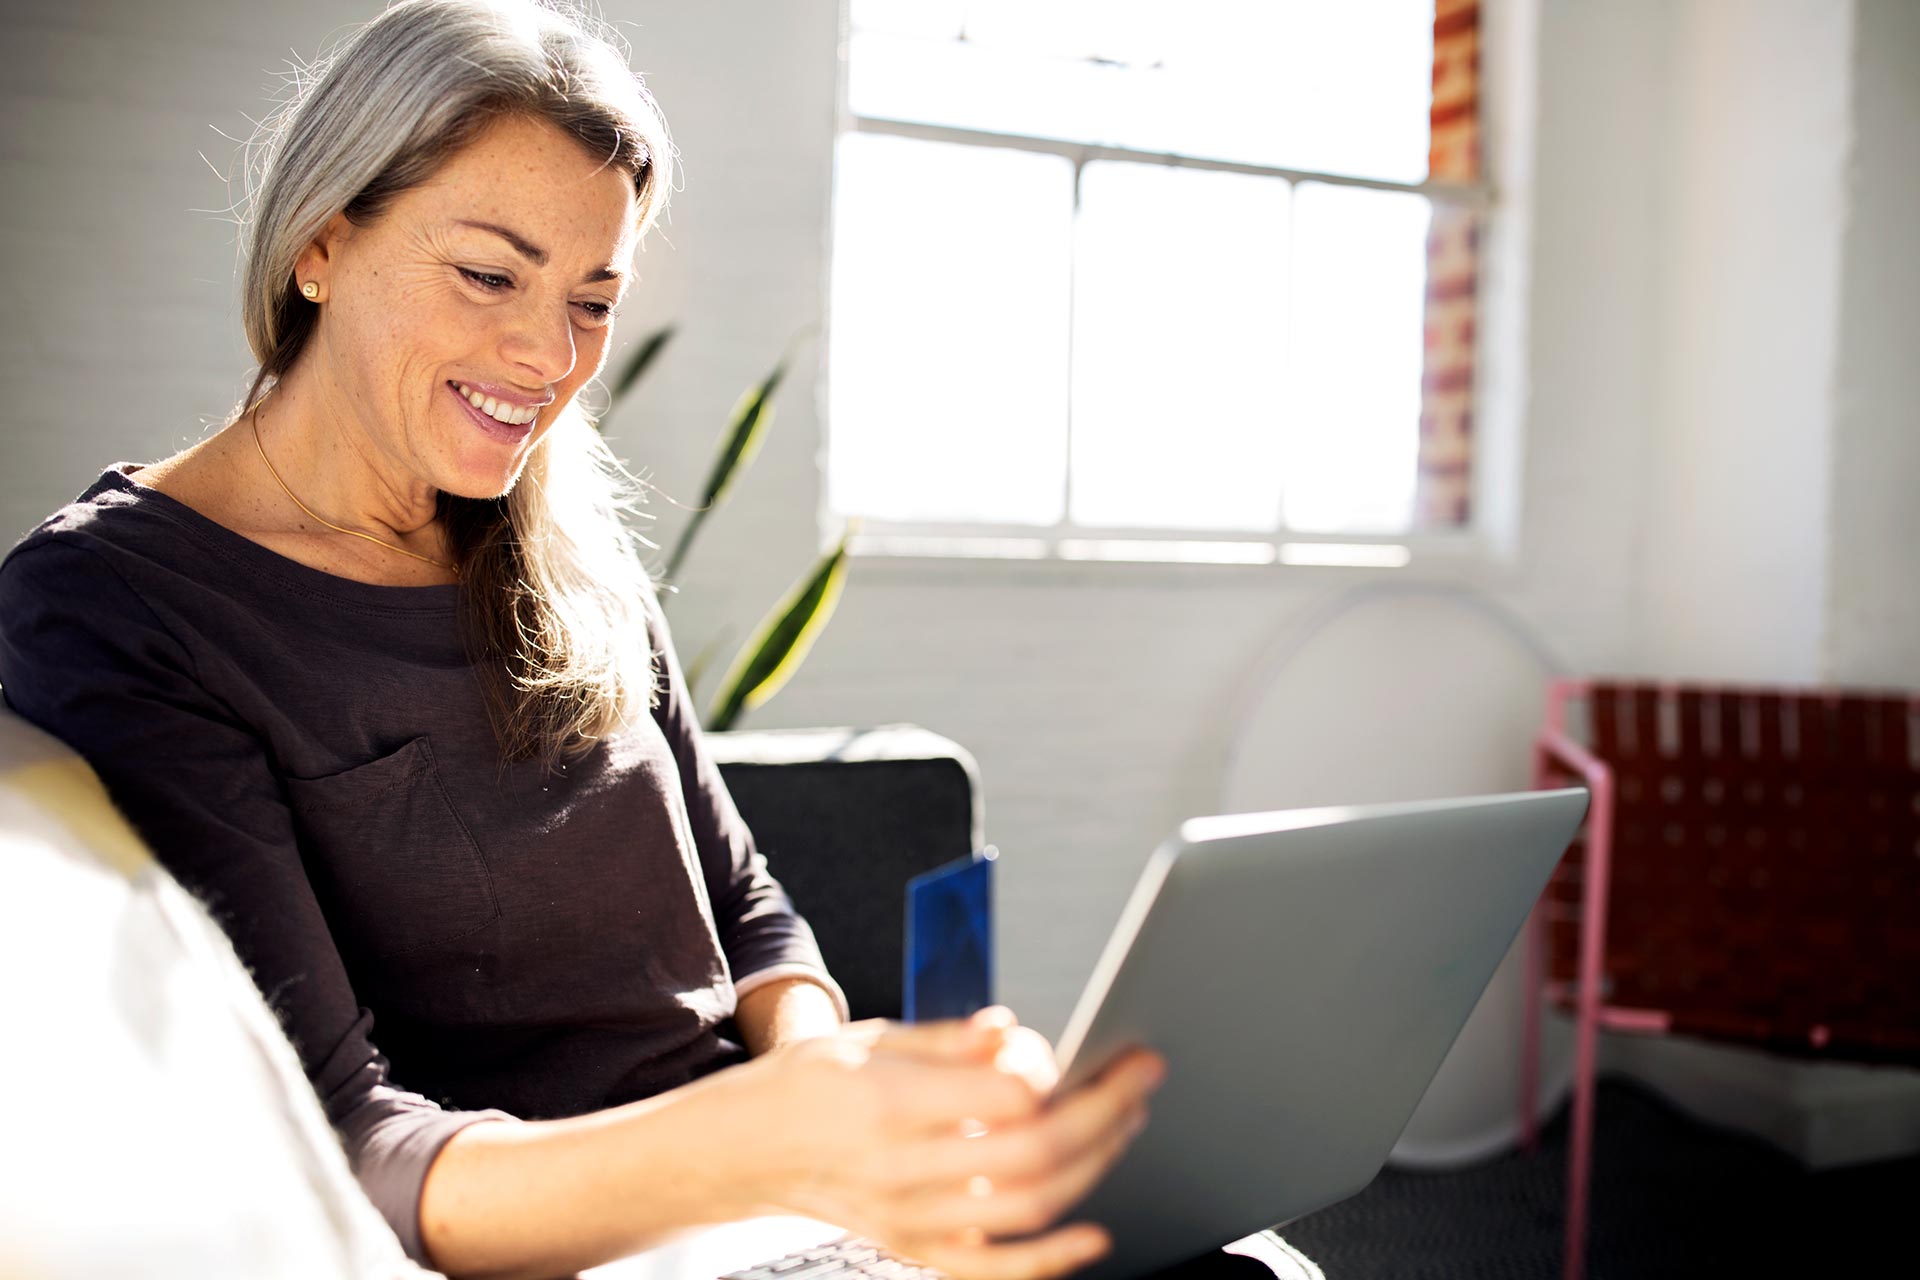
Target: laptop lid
(1304,972)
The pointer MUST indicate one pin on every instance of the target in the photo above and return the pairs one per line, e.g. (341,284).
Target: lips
(493,427)
(499,405)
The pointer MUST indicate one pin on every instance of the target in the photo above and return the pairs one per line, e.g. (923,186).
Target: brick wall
(1443,493)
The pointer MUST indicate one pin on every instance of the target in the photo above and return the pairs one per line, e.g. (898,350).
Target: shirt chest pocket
(395,868)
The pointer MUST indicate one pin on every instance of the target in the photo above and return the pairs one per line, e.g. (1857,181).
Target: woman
(373,668)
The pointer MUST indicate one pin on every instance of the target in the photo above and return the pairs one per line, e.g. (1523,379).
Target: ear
(317,260)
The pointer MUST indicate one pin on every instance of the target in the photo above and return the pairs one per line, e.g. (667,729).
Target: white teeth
(498,410)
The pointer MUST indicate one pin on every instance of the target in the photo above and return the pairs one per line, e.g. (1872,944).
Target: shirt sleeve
(83,657)
(764,938)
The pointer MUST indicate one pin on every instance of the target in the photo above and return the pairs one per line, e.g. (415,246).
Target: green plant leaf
(780,643)
(696,672)
(751,416)
(637,365)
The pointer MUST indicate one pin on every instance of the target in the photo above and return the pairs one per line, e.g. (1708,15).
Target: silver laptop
(1304,973)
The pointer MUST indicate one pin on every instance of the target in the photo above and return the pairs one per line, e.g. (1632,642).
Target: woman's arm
(870,1128)
(759,930)
(783,1011)
(551,1197)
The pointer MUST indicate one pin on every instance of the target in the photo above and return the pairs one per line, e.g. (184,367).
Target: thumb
(1026,1054)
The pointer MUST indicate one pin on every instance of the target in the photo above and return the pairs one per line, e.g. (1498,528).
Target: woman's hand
(940,1140)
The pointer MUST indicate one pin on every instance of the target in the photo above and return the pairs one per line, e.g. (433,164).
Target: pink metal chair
(1749,872)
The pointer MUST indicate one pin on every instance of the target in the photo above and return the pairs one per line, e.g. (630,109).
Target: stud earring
(311,290)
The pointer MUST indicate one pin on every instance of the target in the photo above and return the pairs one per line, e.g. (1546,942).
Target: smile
(498,410)
(492,425)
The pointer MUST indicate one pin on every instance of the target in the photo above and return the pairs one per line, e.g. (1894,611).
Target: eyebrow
(531,251)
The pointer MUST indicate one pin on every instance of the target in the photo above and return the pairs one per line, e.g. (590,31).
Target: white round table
(1406,693)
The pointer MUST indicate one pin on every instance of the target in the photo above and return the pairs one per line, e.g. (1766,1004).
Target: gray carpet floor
(1670,1197)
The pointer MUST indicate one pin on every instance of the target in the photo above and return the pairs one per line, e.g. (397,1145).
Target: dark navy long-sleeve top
(312,756)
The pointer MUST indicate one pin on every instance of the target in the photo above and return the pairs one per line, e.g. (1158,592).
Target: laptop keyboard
(849,1256)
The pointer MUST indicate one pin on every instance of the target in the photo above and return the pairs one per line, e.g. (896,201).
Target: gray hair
(554,595)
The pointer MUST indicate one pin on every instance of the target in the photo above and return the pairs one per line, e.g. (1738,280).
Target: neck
(333,465)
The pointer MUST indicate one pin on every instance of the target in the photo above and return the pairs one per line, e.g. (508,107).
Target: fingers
(971,1039)
(933,1097)
(1022,1152)
(1054,1254)
(1020,1180)
(984,1068)
(990,1035)
(1019,1209)
(943,1199)
(1025,1053)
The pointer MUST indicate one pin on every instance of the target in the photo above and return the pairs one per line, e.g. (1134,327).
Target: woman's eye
(485,280)
(598,312)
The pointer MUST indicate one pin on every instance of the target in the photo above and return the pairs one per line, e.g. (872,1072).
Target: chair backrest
(846,817)
(1765,881)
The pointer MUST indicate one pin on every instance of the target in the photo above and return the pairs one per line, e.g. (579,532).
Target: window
(1150,281)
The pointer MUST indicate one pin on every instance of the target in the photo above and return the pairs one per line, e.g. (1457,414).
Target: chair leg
(1580,1149)
(1593,937)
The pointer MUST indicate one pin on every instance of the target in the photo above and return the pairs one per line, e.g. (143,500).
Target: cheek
(422,306)
(406,314)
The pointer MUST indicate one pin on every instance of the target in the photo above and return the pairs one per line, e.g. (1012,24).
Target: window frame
(1162,547)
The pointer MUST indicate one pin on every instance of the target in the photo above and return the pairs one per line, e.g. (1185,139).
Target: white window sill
(1008,553)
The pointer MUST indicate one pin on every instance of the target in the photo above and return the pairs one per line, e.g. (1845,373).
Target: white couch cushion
(158,1123)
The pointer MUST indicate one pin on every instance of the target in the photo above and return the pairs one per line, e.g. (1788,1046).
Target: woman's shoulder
(113,518)
(140,523)
(85,543)
(187,528)
(111,509)
(65,594)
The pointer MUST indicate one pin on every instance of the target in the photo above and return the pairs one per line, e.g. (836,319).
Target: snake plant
(780,642)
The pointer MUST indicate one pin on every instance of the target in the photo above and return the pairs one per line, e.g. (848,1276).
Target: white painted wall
(1679,296)
(1752,149)
(1874,551)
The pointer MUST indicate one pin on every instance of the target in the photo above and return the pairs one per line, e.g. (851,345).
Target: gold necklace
(442,564)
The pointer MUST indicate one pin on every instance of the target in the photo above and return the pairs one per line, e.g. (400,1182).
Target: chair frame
(1557,754)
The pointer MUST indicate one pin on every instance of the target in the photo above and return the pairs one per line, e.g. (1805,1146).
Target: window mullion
(1073,268)
(1290,413)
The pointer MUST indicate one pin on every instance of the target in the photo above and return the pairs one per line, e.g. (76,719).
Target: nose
(540,340)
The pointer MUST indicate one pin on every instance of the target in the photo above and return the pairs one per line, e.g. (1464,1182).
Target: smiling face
(499,274)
